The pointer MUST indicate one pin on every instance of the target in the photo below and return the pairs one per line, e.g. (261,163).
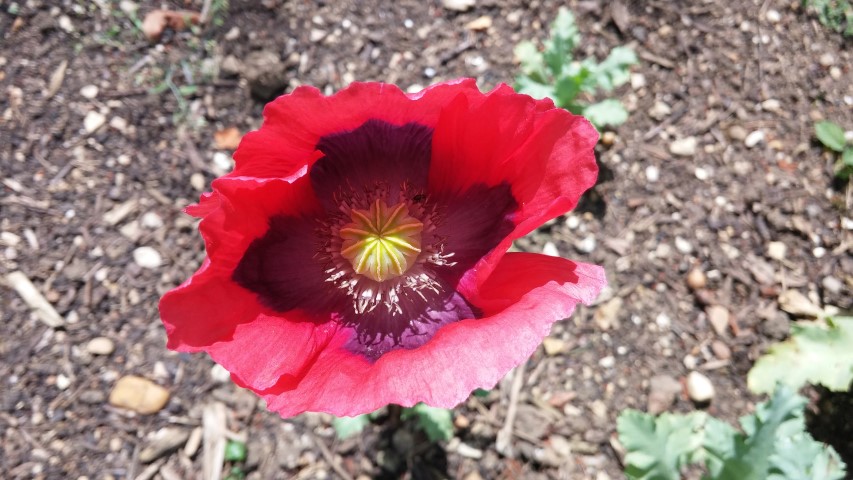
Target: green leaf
(532,63)
(658,447)
(606,112)
(235,451)
(528,86)
(615,69)
(565,36)
(774,445)
(830,134)
(346,427)
(437,423)
(847,157)
(817,354)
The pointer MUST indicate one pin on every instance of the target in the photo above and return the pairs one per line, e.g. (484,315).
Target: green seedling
(555,74)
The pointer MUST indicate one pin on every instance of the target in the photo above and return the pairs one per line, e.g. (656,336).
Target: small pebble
(89,91)
(550,249)
(659,111)
(151,220)
(696,279)
(683,147)
(553,346)
(832,285)
(100,346)
(62,382)
(773,16)
(587,245)
(721,350)
(736,132)
(197,181)
(219,374)
(138,394)
(699,387)
(776,250)
(93,121)
(701,173)
(147,257)
(754,138)
(652,173)
(683,245)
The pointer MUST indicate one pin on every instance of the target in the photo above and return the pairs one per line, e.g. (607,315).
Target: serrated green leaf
(817,354)
(565,36)
(774,445)
(437,423)
(606,112)
(235,451)
(830,134)
(346,427)
(528,86)
(615,69)
(658,447)
(531,61)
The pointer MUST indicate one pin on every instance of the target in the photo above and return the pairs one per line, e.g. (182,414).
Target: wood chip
(56,79)
(34,299)
(213,454)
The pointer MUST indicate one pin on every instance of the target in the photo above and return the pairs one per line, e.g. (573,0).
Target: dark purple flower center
(386,256)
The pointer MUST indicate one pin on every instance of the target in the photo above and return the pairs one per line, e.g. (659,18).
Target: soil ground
(105,137)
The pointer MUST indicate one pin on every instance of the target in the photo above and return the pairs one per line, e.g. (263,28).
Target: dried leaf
(158,20)
(227,138)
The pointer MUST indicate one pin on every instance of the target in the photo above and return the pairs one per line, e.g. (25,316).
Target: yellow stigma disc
(381,242)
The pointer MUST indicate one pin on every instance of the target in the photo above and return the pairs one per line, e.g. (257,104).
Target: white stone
(93,121)
(219,374)
(100,346)
(683,245)
(587,245)
(701,173)
(222,163)
(773,16)
(663,321)
(458,5)
(754,138)
(147,257)
(62,382)
(607,362)
(151,220)
(119,124)
(65,24)
(776,250)
(317,35)
(638,81)
(652,173)
(89,91)
(771,105)
(660,110)
(197,181)
(683,147)
(699,387)
(550,249)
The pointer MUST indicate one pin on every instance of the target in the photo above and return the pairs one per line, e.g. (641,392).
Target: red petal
(462,356)
(210,305)
(205,309)
(544,153)
(263,351)
(294,123)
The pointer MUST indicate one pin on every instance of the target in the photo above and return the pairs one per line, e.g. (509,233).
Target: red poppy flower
(356,255)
